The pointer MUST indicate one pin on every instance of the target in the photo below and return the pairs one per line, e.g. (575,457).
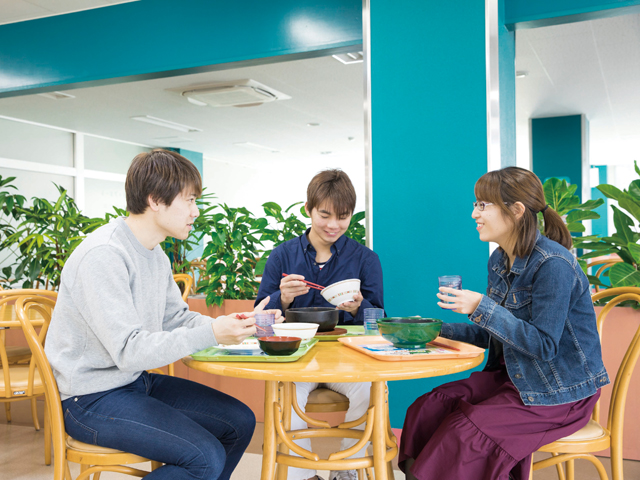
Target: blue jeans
(198,432)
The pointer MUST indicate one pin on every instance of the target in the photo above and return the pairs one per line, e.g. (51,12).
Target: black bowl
(279,345)
(326,318)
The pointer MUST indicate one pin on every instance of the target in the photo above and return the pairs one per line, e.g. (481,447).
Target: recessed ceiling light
(313,124)
(166,123)
(56,95)
(255,146)
(521,74)
(349,58)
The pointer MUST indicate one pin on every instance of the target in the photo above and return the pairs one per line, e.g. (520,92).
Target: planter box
(619,328)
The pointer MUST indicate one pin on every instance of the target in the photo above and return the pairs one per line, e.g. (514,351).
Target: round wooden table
(330,362)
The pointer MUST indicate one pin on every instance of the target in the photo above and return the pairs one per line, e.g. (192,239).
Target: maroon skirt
(478,429)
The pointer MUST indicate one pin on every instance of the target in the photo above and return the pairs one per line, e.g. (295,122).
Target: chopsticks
(442,345)
(311,285)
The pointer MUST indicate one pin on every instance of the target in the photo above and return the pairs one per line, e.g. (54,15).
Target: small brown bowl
(279,345)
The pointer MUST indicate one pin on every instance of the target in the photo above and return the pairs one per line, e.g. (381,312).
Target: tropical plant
(561,196)
(231,255)
(285,228)
(46,236)
(624,242)
(9,204)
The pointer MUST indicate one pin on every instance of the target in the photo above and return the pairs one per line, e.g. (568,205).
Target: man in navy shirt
(323,255)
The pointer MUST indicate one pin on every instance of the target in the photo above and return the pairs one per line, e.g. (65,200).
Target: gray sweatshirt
(118,312)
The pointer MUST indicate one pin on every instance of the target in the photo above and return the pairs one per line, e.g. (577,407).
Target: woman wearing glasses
(544,362)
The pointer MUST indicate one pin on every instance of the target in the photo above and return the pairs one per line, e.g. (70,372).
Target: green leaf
(610,191)
(634,250)
(580,215)
(624,275)
(591,204)
(622,223)
(634,189)
(635,164)
(260,265)
(575,227)
(593,280)
(630,205)
(598,253)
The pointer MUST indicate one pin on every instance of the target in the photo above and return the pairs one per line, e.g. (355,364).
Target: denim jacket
(542,316)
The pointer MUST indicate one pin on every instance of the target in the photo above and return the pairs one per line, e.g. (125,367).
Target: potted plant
(9,204)
(624,242)
(231,256)
(46,236)
(561,196)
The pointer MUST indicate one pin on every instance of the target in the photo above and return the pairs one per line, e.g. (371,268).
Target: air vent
(241,93)
(56,95)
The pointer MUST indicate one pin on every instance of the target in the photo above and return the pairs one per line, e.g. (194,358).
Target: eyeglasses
(482,205)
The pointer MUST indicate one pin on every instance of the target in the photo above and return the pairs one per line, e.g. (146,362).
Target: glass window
(101,196)
(22,141)
(109,155)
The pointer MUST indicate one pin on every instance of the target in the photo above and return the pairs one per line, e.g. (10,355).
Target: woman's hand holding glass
(460,301)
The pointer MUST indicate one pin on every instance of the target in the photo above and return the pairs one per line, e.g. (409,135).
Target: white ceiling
(322,91)
(590,68)
(12,11)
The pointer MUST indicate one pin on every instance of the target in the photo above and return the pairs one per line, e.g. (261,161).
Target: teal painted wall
(156,38)
(429,146)
(507,82)
(556,149)
(540,13)
(601,225)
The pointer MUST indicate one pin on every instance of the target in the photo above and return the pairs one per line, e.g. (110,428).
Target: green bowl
(409,332)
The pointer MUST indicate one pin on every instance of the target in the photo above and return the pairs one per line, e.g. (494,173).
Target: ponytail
(555,228)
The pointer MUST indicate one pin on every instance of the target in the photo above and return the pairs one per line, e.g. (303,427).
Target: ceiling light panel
(166,123)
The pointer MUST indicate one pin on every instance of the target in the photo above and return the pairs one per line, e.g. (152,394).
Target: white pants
(358,395)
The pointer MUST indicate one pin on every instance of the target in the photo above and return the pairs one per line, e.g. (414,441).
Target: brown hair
(332,185)
(161,174)
(509,185)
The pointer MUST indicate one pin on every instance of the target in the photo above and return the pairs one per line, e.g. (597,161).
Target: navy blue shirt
(349,259)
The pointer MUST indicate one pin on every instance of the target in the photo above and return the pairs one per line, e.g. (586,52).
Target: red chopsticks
(311,285)
(242,316)
(442,345)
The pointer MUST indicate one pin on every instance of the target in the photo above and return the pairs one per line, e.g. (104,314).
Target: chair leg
(7,410)
(570,469)
(96,476)
(34,414)
(47,435)
(172,370)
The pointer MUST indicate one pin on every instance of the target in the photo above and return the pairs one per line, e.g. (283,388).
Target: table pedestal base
(279,439)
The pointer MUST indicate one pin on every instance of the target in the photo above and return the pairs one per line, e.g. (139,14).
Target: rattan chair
(604,265)
(20,381)
(92,459)
(594,437)
(15,354)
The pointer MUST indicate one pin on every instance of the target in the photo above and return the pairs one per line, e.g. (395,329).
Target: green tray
(215,354)
(352,330)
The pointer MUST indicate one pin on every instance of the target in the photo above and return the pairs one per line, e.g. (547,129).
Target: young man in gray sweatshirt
(119,313)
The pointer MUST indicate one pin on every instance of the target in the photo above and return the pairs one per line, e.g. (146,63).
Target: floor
(20,437)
